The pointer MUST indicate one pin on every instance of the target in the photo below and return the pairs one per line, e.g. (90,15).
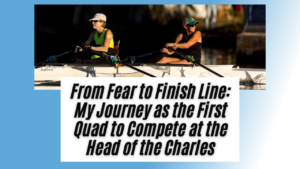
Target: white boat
(49,75)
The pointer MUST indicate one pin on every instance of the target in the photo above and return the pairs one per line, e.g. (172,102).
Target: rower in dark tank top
(194,50)
(189,43)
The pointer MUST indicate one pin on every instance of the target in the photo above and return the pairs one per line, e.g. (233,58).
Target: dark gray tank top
(194,50)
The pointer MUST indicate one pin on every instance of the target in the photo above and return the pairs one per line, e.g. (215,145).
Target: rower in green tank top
(104,41)
(99,40)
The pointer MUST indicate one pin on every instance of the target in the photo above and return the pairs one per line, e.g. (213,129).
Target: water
(211,56)
(253,83)
(253,87)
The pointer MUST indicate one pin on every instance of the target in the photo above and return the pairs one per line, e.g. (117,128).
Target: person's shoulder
(198,32)
(180,35)
(93,32)
(108,31)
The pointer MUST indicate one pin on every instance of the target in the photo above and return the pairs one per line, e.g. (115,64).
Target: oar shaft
(182,55)
(56,57)
(133,58)
(98,53)
(147,54)
(64,53)
(132,67)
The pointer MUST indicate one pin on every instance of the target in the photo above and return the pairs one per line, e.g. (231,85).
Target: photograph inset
(150,41)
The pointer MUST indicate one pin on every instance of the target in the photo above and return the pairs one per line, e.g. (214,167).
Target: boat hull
(52,73)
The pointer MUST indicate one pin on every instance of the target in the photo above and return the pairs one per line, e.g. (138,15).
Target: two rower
(189,41)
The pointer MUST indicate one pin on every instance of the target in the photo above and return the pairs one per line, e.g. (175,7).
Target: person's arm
(88,41)
(91,38)
(170,52)
(105,46)
(196,37)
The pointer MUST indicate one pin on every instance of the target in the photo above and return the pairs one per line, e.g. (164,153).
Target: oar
(115,60)
(133,58)
(54,58)
(189,58)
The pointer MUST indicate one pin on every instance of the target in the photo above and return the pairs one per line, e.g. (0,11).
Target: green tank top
(100,41)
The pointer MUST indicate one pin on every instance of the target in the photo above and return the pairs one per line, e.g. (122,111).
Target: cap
(189,21)
(99,16)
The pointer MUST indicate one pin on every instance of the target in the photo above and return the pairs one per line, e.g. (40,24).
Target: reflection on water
(253,87)
(211,56)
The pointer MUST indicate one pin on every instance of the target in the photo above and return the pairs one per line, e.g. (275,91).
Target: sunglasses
(191,25)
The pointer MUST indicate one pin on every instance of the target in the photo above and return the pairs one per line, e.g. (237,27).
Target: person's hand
(169,45)
(163,50)
(84,47)
(79,49)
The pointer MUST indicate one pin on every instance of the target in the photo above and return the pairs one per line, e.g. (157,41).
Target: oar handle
(188,58)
